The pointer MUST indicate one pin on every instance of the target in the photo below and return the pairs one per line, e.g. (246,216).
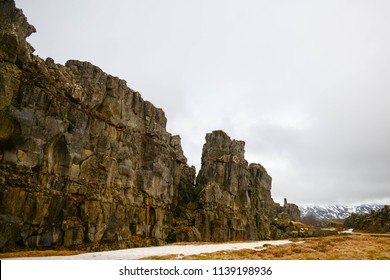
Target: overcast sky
(305,84)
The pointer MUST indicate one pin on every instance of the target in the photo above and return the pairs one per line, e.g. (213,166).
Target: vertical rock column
(232,194)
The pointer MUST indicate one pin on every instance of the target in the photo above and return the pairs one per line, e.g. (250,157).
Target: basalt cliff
(86,162)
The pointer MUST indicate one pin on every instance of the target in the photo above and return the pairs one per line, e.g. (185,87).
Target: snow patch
(180,250)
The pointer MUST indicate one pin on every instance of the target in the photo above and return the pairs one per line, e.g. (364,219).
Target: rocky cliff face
(85,161)
(235,197)
(83,158)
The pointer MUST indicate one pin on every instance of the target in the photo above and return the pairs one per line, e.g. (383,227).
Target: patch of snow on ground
(139,253)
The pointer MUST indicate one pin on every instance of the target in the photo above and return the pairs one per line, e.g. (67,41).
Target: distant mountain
(337,211)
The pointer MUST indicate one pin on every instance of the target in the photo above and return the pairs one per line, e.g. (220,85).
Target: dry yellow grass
(341,247)
(336,247)
(26,254)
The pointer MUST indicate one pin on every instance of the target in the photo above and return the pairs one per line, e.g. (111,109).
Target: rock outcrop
(83,158)
(86,162)
(287,211)
(235,197)
(374,222)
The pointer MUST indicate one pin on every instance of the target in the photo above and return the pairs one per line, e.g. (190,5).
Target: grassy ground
(339,247)
(45,253)
(336,247)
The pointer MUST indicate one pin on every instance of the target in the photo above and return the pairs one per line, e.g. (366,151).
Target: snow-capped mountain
(337,211)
